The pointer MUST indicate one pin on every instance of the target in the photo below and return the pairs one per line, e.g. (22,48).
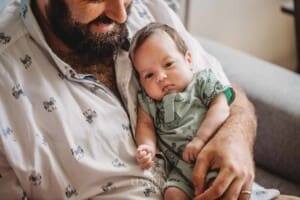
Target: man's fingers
(199,174)
(246,190)
(245,194)
(234,191)
(218,187)
(241,188)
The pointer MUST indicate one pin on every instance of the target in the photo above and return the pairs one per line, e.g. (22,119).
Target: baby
(178,110)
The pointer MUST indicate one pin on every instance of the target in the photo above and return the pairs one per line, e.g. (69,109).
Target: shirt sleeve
(209,86)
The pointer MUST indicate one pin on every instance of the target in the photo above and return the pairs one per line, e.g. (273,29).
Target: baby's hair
(144,33)
(152,28)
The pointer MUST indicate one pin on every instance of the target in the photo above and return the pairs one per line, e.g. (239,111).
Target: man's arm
(230,151)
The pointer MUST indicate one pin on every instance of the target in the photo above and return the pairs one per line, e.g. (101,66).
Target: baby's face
(161,67)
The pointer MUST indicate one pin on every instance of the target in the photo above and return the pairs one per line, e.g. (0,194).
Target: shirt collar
(36,33)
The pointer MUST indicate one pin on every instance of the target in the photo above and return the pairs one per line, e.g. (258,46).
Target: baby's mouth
(167,87)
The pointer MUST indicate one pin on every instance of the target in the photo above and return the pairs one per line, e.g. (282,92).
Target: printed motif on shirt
(35,178)
(8,133)
(117,163)
(26,61)
(4,39)
(77,152)
(143,13)
(70,191)
(107,187)
(24,10)
(90,115)
(49,105)
(17,91)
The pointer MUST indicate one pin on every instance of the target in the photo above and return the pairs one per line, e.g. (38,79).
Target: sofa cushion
(269,180)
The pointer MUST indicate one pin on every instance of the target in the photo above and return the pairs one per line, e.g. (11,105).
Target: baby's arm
(216,115)
(145,139)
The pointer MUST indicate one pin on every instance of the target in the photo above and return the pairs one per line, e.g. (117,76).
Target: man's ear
(188,57)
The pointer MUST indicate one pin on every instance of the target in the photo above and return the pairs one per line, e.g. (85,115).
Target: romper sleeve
(208,86)
(146,103)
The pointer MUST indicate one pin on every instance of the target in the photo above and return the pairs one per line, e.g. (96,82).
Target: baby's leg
(177,187)
(174,193)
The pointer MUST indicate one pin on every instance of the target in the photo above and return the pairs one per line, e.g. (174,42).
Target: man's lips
(102,27)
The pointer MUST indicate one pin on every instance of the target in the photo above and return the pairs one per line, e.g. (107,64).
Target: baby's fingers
(146,161)
(147,164)
(186,156)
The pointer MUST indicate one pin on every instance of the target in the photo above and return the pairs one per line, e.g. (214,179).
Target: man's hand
(230,151)
(144,155)
(236,170)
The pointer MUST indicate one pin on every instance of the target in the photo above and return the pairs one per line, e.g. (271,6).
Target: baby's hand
(192,149)
(144,155)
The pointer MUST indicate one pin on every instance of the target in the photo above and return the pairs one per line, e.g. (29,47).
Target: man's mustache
(102,19)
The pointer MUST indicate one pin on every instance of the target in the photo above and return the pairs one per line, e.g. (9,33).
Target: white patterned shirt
(69,137)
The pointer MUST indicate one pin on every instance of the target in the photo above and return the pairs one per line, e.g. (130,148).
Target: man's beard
(94,47)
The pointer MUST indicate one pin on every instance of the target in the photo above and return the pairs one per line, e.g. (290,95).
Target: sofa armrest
(275,93)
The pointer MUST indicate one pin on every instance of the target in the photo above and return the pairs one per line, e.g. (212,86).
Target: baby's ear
(188,57)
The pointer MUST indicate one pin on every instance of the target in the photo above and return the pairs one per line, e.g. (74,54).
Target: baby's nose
(161,76)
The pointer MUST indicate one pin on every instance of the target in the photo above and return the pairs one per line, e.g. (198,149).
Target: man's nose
(116,10)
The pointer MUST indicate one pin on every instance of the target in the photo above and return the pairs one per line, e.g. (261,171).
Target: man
(65,133)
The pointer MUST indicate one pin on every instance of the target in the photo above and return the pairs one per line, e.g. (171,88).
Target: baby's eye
(149,75)
(169,64)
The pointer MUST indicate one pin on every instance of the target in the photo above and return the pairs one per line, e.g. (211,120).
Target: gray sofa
(275,93)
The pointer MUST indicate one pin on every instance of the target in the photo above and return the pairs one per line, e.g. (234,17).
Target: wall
(255,26)
(3,3)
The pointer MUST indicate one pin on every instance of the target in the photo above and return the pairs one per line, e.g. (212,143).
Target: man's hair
(152,28)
